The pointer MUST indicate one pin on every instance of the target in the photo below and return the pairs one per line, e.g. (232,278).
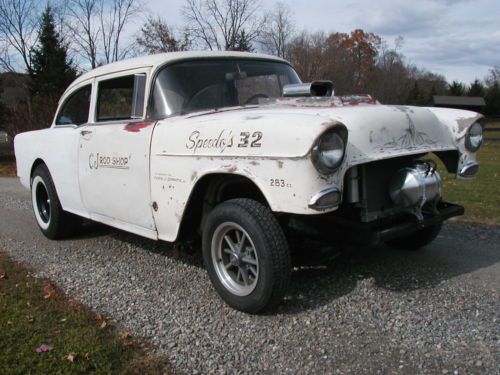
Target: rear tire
(246,255)
(418,239)
(53,221)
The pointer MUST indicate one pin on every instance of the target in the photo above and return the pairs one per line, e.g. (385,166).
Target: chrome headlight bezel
(474,137)
(328,153)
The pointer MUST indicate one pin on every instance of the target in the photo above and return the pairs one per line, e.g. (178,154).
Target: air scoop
(416,186)
(313,89)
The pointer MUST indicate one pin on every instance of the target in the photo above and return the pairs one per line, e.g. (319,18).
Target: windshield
(200,85)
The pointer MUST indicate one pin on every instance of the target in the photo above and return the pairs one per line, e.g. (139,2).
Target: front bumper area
(379,232)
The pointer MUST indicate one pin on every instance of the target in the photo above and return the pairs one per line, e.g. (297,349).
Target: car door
(114,155)
(60,149)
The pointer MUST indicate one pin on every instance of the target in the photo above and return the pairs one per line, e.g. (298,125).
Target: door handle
(85,132)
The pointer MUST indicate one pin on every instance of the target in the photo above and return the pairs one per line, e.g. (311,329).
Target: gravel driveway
(369,311)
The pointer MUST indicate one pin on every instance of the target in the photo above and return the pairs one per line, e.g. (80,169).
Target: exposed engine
(384,188)
(416,186)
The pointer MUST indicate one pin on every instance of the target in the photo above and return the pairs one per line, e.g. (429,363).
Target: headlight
(328,153)
(474,137)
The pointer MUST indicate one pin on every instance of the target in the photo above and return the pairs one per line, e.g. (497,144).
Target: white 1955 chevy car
(233,147)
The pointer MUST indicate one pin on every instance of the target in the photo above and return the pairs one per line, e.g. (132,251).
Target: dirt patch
(7,166)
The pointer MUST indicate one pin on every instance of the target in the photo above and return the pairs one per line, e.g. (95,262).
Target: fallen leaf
(87,356)
(71,357)
(49,291)
(44,348)
(103,325)
(3,276)
(125,335)
(9,322)
(30,318)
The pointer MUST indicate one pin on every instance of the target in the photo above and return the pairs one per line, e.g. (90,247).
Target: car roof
(157,60)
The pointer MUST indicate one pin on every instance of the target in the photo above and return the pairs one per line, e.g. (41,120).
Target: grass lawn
(492,134)
(72,340)
(493,124)
(479,196)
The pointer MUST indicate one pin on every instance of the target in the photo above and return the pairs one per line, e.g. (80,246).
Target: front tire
(246,255)
(53,221)
(418,239)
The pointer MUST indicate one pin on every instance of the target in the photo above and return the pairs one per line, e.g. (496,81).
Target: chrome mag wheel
(235,259)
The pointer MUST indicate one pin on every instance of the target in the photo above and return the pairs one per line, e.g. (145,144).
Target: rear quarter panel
(58,149)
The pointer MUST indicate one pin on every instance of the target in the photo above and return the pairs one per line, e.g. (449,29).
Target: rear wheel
(50,217)
(418,239)
(246,255)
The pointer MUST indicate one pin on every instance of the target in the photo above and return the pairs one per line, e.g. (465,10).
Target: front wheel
(418,239)
(246,255)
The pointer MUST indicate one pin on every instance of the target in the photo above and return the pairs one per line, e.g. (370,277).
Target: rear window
(75,110)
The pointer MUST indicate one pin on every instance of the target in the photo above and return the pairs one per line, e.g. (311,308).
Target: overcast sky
(457,38)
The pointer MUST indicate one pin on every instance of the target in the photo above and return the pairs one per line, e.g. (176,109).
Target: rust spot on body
(136,127)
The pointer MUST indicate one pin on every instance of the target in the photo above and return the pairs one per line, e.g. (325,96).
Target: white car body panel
(112,176)
(58,148)
(148,163)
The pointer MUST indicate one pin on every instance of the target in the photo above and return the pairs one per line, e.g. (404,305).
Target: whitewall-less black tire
(246,255)
(52,220)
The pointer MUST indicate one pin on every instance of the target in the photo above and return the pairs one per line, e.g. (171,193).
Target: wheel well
(211,190)
(34,166)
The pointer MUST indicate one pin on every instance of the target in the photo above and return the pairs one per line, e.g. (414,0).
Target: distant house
(471,103)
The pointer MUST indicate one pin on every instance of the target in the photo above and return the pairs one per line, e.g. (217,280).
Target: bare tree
(96,28)
(18,29)
(493,77)
(278,31)
(84,28)
(113,20)
(156,36)
(219,24)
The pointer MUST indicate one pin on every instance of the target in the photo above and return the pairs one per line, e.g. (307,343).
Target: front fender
(458,123)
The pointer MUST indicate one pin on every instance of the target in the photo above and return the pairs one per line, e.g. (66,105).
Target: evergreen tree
(476,89)
(456,89)
(242,43)
(52,70)
(493,100)
(416,96)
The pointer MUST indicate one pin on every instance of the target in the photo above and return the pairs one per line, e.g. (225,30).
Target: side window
(121,98)
(75,110)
